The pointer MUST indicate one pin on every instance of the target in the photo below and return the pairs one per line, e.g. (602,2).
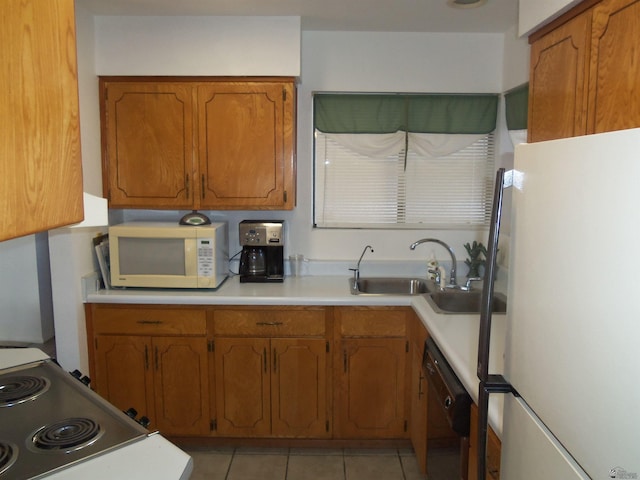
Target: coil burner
(8,455)
(50,421)
(23,388)
(66,435)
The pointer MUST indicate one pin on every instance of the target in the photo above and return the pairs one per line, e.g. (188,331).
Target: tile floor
(304,464)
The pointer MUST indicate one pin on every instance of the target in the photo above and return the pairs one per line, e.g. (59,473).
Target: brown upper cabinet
(41,181)
(614,86)
(198,143)
(585,71)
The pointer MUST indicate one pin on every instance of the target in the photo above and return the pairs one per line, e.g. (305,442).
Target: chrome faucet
(356,271)
(452,277)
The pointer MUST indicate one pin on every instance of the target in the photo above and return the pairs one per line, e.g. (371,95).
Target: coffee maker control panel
(260,233)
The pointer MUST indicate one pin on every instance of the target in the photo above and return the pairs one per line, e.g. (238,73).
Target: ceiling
(496,16)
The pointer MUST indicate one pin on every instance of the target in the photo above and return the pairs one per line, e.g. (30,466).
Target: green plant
(477,258)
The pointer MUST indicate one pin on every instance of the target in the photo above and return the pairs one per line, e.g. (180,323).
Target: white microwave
(168,255)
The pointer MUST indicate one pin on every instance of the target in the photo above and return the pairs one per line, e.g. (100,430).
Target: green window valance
(418,113)
(517,107)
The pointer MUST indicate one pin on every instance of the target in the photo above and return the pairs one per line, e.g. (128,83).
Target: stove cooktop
(51,421)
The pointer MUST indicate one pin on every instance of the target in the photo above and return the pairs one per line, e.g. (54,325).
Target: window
(376,167)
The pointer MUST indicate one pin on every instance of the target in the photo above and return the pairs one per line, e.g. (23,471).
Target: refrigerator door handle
(488,383)
(489,279)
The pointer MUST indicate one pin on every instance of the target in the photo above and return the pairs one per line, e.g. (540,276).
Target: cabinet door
(299,403)
(614,102)
(371,388)
(558,81)
(242,386)
(419,400)
(41,180)
(122,373)
(148,144)
(181,385)
(246,145)
(472,474)
(494,449)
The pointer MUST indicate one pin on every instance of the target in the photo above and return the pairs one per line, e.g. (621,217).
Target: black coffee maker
(262,256)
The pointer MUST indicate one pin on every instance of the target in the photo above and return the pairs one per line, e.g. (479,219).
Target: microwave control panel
(260,234)
(205,257)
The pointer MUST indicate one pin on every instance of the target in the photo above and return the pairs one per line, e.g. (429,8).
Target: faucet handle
(467,286)
(436,273)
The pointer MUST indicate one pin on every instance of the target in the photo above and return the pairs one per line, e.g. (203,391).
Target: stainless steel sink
(456,301)
(390,286)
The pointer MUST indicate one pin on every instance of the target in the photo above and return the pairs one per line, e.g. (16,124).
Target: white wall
(198,46)
(532,14)
(25,290)
(515,70)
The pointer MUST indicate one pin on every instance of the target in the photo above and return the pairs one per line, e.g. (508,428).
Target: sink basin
(463,302)
(389,286)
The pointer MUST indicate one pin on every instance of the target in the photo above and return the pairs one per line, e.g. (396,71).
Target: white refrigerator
(572,355)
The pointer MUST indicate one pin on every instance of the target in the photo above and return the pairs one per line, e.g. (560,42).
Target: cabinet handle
(432,371)
(150,322)
(146,358)
(264,358)
(187,185)
(420,379)
(156,355)
(268,324)
(275,358)
(345,361)
(202,185)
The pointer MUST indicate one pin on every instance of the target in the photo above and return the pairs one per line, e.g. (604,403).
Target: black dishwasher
(449,408)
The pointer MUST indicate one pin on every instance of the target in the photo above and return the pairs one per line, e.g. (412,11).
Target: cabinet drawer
(149,321)
(269,323)
(372,322)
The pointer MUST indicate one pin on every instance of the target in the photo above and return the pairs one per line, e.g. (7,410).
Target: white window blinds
(367,181)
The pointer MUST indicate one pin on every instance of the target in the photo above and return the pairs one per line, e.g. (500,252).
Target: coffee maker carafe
(262,256)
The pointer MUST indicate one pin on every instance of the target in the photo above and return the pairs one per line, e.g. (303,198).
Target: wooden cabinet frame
(262,363)
(272,369)
(40,157)
(371,370)
(218,143)
(154,360)
(585,71)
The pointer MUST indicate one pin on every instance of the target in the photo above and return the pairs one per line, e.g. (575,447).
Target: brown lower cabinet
(419,399)
(272,387)
(155,361)
(272,372)
(299,372)
(370,372)
(494,447)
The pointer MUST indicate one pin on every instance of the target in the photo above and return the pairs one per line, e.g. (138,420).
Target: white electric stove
(53,426)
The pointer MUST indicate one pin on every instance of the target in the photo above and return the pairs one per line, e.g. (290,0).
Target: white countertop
(12,357)
(456,335)
(153,457)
